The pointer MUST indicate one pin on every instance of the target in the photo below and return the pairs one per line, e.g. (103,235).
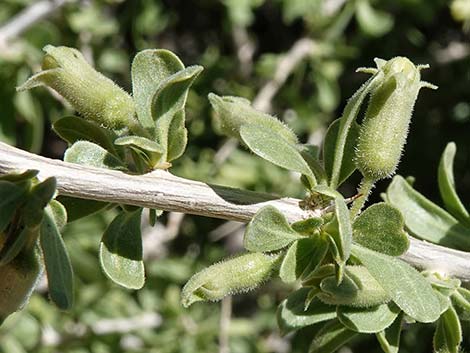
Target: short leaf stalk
(364,191)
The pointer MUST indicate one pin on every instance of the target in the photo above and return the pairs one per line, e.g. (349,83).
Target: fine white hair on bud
(385,126)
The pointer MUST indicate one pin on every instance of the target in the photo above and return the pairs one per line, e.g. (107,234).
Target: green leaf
(92,155)
(149,69)
(291,313)
(58,266)
(448,334)
(10,198)
(73,129)
(15,243)
(151,149)
(340,229)
(368,320)
(332,336)
(20,175)
(425,219)
(358,289)
(274,148)
(390,338)
(308,226)
(380,228)
(329,147)
(58,213)
(121,251)
(373,22)
(406,286)
(346,122)
(461,302)
(310,154)
(79,208)
(168,111)
(39,196)
(268,231)
(446,181)
(303,257)
(234,112)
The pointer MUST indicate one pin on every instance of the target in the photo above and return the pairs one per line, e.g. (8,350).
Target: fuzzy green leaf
(368,320)
(39,196)
(390,338)
(121,250)
(15,243)
(291,313)
(234,112)
(308,226)
(331,337)
(346,121)
(90,154)
(168,111)
(73,129)
(269,231)
(448,334)
(58,266)
(446,181)
(329,147)
(380,228)
(303,257)
(358,289)
(274,148)
(58,212)
(10,198)
(461,302)
(425,219)
(406,286)
(149,69)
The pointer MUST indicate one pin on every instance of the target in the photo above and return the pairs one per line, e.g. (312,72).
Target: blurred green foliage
(240,43)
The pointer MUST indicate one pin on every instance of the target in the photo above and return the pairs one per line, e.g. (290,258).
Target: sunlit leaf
(368,320)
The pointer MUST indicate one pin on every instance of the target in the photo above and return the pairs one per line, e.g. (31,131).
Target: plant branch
(28,17)
(162,190)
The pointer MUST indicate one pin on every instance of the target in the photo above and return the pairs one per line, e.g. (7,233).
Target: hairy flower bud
(385,127)
(238,274)
(93,95)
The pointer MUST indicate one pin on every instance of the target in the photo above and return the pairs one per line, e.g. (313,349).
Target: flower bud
(239,274)
(93,95)
(385,127)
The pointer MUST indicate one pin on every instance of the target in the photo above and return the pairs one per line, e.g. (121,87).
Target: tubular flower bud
(239,274)
(18,279)
(385,127)
(90,93)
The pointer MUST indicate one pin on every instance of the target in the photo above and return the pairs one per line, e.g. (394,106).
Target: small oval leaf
(121,251)
(268,231)
(90,154)
(368,320)
(274,148)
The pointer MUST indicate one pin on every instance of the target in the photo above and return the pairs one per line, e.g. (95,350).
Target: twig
(162,190)
(301,49)
(28,17)
(225,315)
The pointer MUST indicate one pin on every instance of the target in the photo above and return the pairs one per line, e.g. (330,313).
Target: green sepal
(406,286)
(303,257)
(57,262)
(425,219)
(92,155)
(268,231)
(329,147)
(121,250)
(445,178)
(271,146)
(331,337)
(448,334)
(368,320)
(380,228)
(291,313)
(73,129)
